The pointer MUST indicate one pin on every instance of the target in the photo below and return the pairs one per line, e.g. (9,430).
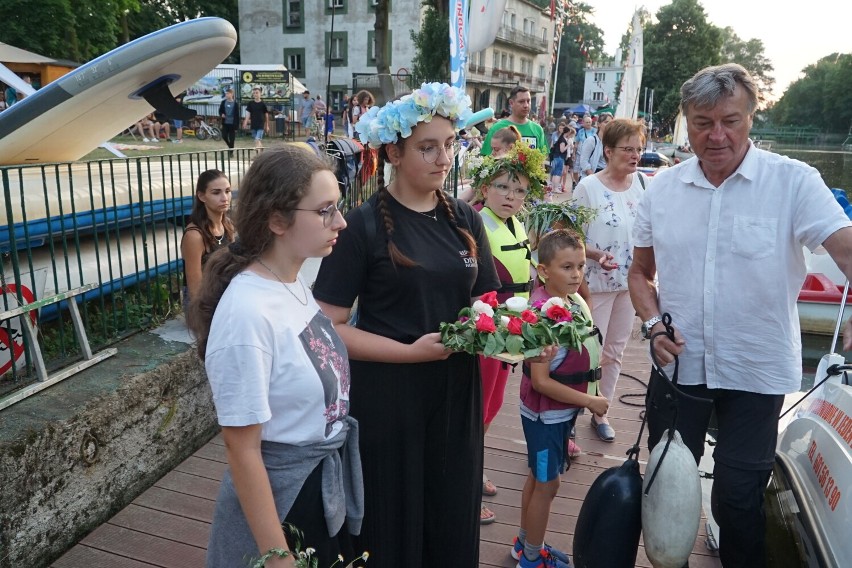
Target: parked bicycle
(203,131)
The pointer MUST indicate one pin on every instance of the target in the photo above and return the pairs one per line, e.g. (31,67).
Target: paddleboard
(73,115)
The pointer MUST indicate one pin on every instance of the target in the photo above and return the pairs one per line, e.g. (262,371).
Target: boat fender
(610,521)
(671,508)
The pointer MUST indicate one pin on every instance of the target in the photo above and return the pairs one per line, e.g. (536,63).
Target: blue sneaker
(545,560)
(518,551)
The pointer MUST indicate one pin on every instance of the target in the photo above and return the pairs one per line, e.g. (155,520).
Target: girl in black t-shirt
(413,257)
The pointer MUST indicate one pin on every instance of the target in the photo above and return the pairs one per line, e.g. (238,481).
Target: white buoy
(671,509)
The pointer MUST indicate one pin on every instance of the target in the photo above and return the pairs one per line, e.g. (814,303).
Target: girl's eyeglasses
(328,213)
(430,153)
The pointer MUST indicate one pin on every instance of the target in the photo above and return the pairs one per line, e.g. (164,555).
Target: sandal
(488,487)
(486,516)
(573,449)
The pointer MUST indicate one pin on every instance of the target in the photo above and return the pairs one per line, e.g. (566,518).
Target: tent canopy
(581,109)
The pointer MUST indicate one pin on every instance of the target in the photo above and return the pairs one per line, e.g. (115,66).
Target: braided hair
(398,258)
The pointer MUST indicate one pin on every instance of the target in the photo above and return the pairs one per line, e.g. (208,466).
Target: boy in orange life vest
(504,183)
(552,394)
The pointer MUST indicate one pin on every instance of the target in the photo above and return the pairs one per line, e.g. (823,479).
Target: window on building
(598,96)
(527,26)
(541,72)
(512,21)
(599,77)
(511,63)
(544,34)
(336,48)
(336,4)
(371,47)
(294,13)
(294,59)
(496,64)
(504,59)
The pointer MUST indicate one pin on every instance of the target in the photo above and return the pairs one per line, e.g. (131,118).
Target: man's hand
(606,261)
(664,348)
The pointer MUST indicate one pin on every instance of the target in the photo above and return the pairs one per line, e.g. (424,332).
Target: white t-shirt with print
(611,230)
(272,361)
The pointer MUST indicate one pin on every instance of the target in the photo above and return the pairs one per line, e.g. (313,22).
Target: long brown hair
(199,215)
(275,184)
(398,258)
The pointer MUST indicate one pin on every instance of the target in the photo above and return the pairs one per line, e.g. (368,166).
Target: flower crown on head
(385,125)
(519,160)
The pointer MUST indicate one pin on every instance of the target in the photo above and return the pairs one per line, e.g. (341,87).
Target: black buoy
(610,521)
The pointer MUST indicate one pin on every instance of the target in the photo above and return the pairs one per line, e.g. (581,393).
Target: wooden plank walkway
(168,525)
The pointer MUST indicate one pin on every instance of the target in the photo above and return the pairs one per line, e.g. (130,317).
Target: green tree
(822,98)
(432,45)
(750,55)
(677,46)
(578,35)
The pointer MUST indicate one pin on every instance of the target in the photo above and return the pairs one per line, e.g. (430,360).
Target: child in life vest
(552,395)
(504,183)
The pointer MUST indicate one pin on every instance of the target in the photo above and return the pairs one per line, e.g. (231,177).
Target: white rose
(504,320)
(552,302)
(481,307)
(516,304)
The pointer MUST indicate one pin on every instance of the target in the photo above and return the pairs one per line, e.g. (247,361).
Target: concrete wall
(78,452)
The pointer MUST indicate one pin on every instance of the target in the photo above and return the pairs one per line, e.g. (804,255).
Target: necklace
(219,239)
(305,292)
(433,216)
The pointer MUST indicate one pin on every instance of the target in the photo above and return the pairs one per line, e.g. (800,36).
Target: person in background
(209,227)
(531,132)
(719,231)
(145,127)
(413,258)
(257,116)
(306,110)
(279,373)
(229,112)
(585,130)
(320,108)
(501,141)
(552,394)
(346,114)
(592,158)
(178,123)
(615,193)
(364,100)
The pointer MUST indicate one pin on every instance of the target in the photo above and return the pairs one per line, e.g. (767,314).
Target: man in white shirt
(724,234)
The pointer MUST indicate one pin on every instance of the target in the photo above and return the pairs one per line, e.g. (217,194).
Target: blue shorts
(556,166)
(546,455)
(257,134)
(178,123)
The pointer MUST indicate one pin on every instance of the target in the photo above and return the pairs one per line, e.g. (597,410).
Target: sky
(794,34)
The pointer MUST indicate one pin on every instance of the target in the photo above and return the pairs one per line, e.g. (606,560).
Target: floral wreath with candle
(520,160)
(385,125)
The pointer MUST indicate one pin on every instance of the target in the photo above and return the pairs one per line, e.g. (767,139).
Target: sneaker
(518,551)
(545,560)
(146,140)
(176,141)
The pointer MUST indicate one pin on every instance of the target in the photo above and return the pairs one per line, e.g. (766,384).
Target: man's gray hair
(707,87)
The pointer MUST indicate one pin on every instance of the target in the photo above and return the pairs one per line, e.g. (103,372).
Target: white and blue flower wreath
(385,125)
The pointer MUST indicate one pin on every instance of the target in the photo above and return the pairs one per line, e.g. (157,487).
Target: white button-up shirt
(730,266)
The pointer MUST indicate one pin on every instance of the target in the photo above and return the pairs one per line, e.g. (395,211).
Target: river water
(836,169)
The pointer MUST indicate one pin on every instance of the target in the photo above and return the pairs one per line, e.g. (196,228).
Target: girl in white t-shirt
(279,372)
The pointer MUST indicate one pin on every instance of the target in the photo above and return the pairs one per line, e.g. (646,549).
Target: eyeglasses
(504,190)
(430,153)
(630,150)
(328,213)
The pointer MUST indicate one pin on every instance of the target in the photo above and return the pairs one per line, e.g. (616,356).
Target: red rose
(559,314)
(515,325)
(485,323)
(529,316)
(522,158)
(489,298)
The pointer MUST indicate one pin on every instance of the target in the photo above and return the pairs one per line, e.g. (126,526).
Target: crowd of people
(344,415)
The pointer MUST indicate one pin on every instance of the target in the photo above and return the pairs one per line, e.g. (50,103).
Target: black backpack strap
(641,179)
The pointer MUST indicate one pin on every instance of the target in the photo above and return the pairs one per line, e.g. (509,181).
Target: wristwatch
(646,326)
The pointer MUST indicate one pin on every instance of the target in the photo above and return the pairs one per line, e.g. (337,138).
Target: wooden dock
(168,525)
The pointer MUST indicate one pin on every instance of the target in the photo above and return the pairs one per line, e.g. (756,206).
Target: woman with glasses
(413,257)
(279,372)
(615,192)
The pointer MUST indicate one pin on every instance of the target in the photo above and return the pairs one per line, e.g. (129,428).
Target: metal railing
(520,39)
